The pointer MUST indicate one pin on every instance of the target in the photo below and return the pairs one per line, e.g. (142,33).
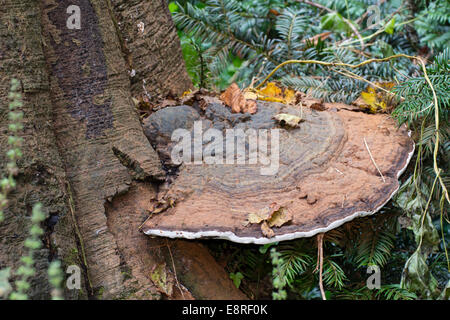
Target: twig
(373,160)
(175,271)
(437,170)
(333,64)
(320,262)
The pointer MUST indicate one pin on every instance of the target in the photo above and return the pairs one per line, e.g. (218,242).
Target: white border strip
(228,235)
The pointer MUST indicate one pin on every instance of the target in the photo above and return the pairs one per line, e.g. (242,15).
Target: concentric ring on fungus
(325,178)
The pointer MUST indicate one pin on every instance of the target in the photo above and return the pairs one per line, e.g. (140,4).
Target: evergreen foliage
(242,41)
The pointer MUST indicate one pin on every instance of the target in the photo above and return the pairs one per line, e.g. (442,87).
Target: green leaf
(426,231)
(417,277)
(263,249)
(173,7)
(334,21)
(237,278)
(389,28)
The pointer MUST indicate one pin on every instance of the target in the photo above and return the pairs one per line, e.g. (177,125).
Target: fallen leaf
(369,96)
(266,231)
(271,216)
(168,103)
(274,12)
(289,96)
(254,218)
(250,107)
(279,218)
(162,205)
(272,92)
(264,214)
(314,40)
(235,99)
(288,119)
(162,279)
(186,93)
(207,100)
(376,100)
(135,101)
(250,95)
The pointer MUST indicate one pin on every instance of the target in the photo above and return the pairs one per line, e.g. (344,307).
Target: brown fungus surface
(335,166)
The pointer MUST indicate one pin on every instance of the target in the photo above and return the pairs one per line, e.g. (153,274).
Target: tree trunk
(86,158)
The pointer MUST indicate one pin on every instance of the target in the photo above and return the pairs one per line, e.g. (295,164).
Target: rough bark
(94,117)
(145,50)
(42,177)
(84,145)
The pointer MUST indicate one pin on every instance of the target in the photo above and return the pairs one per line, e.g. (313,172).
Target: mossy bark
(80,125)
(42,176)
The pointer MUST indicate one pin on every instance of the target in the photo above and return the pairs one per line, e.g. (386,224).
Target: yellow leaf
(270,99)
(186,93)
(369,97)
(378,100)
(382,105)
(271,90)
(254,218)
(289,96)
(273,93)
(279,218)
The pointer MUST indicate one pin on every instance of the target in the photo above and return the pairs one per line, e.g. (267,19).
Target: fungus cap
(336,165)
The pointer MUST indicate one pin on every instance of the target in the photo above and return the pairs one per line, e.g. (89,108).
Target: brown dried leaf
(314,40)
(267,232)
(250,95)
(235,99)
(250,107)
(162,205)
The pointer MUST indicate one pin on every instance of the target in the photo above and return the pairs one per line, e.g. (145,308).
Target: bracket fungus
(334,166)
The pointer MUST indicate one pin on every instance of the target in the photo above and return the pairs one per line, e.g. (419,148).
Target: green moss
(72,258)
(99,293)
(126,275)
